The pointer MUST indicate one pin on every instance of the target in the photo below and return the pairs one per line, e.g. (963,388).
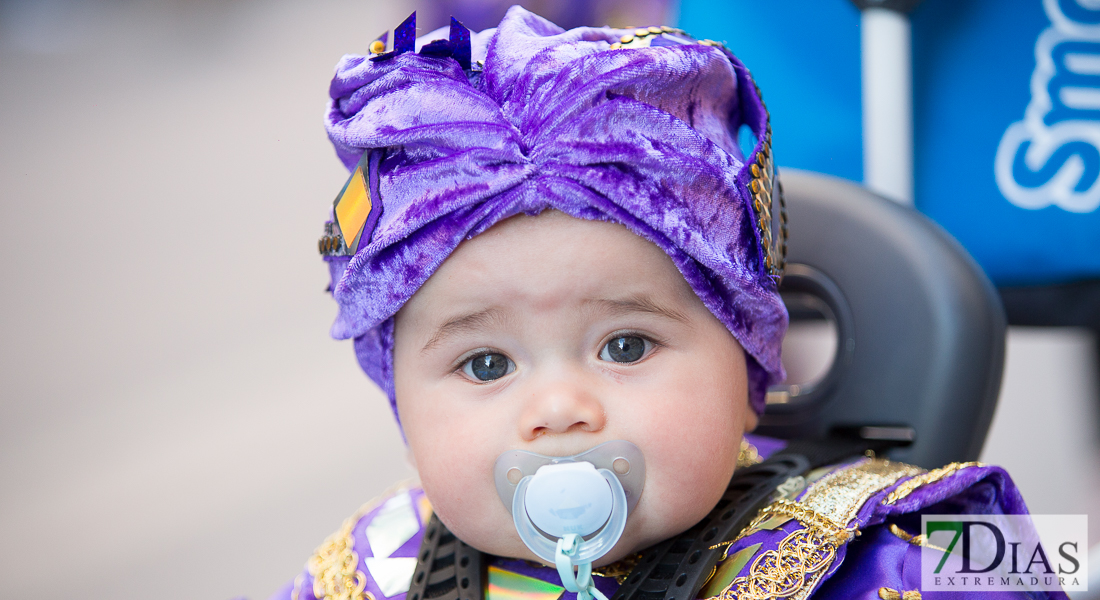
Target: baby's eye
(488,367)
(625,349)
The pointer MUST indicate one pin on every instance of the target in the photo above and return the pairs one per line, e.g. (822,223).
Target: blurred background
(175,421)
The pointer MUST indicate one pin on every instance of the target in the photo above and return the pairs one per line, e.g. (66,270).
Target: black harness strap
(446,568)
(676,569)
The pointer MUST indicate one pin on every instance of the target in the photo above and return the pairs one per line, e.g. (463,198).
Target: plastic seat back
(920,329)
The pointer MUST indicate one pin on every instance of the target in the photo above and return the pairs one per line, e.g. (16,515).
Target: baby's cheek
(456,472)
(690,457)
(454,499)
(476,515)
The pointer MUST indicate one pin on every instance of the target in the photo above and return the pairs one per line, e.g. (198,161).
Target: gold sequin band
(765,189)
(637,39)
(841,494)
(826,528)
(910,485)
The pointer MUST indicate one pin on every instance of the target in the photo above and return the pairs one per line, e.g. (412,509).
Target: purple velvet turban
(586,121)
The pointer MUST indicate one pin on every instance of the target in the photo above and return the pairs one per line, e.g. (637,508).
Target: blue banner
(1006,115)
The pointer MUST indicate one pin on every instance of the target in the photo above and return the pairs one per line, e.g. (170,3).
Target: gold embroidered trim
(916,540)
(298,581)
(620,569)
(297,586)
(797,565)
(910,485)
(891,594)
(748,455)
(794,568)
(334,566)
(841,494)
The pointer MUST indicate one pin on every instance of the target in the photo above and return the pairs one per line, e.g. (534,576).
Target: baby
(553,334)
(559,264)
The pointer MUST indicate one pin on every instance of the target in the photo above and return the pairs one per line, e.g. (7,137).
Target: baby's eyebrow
(636,304)
(464,323)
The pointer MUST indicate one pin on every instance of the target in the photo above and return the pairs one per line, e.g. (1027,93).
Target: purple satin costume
(645,137)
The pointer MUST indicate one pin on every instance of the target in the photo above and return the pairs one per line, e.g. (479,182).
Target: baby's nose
(562,407)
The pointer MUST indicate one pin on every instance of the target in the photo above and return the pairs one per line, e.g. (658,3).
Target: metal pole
(887,97)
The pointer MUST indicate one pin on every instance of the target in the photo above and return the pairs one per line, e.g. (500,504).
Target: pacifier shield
(568,498)
(587,495)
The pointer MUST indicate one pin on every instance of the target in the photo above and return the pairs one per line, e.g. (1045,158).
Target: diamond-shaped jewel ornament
(392,575)
(352,207)
(357,207)
(393,525)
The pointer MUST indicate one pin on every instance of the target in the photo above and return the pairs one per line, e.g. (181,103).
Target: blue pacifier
(571,510)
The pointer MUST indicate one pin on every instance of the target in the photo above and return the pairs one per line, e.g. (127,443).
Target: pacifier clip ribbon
(578,581)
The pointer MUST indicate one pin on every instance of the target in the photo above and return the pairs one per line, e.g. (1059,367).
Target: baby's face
(552,334)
